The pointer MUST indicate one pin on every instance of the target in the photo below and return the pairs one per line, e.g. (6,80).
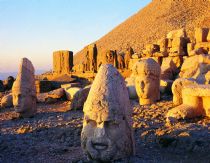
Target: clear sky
(36,28)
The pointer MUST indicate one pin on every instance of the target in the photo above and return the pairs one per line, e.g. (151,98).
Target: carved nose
(100,130)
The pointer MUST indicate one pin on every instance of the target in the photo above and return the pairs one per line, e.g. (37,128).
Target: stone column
(62,62)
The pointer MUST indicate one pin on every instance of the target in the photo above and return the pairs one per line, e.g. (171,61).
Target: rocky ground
(53,135)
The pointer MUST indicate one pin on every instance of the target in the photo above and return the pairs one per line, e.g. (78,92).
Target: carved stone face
(24,90)
(23,101)
(104,140)
(146,87)
(147,81)
(107,125)
(110,57)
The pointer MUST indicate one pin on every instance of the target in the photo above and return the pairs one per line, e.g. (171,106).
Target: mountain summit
(154,22)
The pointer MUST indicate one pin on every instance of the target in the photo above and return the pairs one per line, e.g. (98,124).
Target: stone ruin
(94,58)
(176,53)
(24,90)
(191,90)
(62,62)
(171,51)
(178,56)
(195,102)
(107,114)
(90,63)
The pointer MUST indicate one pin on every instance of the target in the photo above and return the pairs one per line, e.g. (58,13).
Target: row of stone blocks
(175,44)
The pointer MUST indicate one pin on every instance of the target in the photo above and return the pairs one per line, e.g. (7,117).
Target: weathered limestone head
(147,81)
(107,132)
(24,90)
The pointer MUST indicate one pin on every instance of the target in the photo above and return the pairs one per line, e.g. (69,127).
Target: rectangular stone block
(201,34)
(176,33)
(62,62)
(179,41)
(43,86)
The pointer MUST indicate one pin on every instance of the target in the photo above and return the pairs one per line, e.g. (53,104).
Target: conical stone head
(107,114)
(24,90)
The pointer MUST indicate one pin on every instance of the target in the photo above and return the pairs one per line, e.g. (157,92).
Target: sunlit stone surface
(24,90)
(107,133)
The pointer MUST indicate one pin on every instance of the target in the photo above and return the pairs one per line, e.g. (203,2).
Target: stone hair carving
(24,90)
(107,114)
(147,81)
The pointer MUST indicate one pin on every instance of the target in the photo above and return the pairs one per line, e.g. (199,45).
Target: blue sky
(36,28)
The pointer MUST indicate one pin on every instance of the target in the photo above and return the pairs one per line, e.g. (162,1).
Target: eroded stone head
(24,90)
(147,81)
(107,114)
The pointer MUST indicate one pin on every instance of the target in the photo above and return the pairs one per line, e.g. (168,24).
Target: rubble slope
(154,22)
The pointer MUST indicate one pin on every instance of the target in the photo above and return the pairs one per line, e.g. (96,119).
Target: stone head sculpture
(24,90)
(107,132)
(147,81)
(110,57)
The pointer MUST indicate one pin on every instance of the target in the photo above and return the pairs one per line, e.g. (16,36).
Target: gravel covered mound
(53,135)
(154,22)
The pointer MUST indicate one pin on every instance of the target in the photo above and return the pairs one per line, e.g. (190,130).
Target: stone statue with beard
(107,127)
